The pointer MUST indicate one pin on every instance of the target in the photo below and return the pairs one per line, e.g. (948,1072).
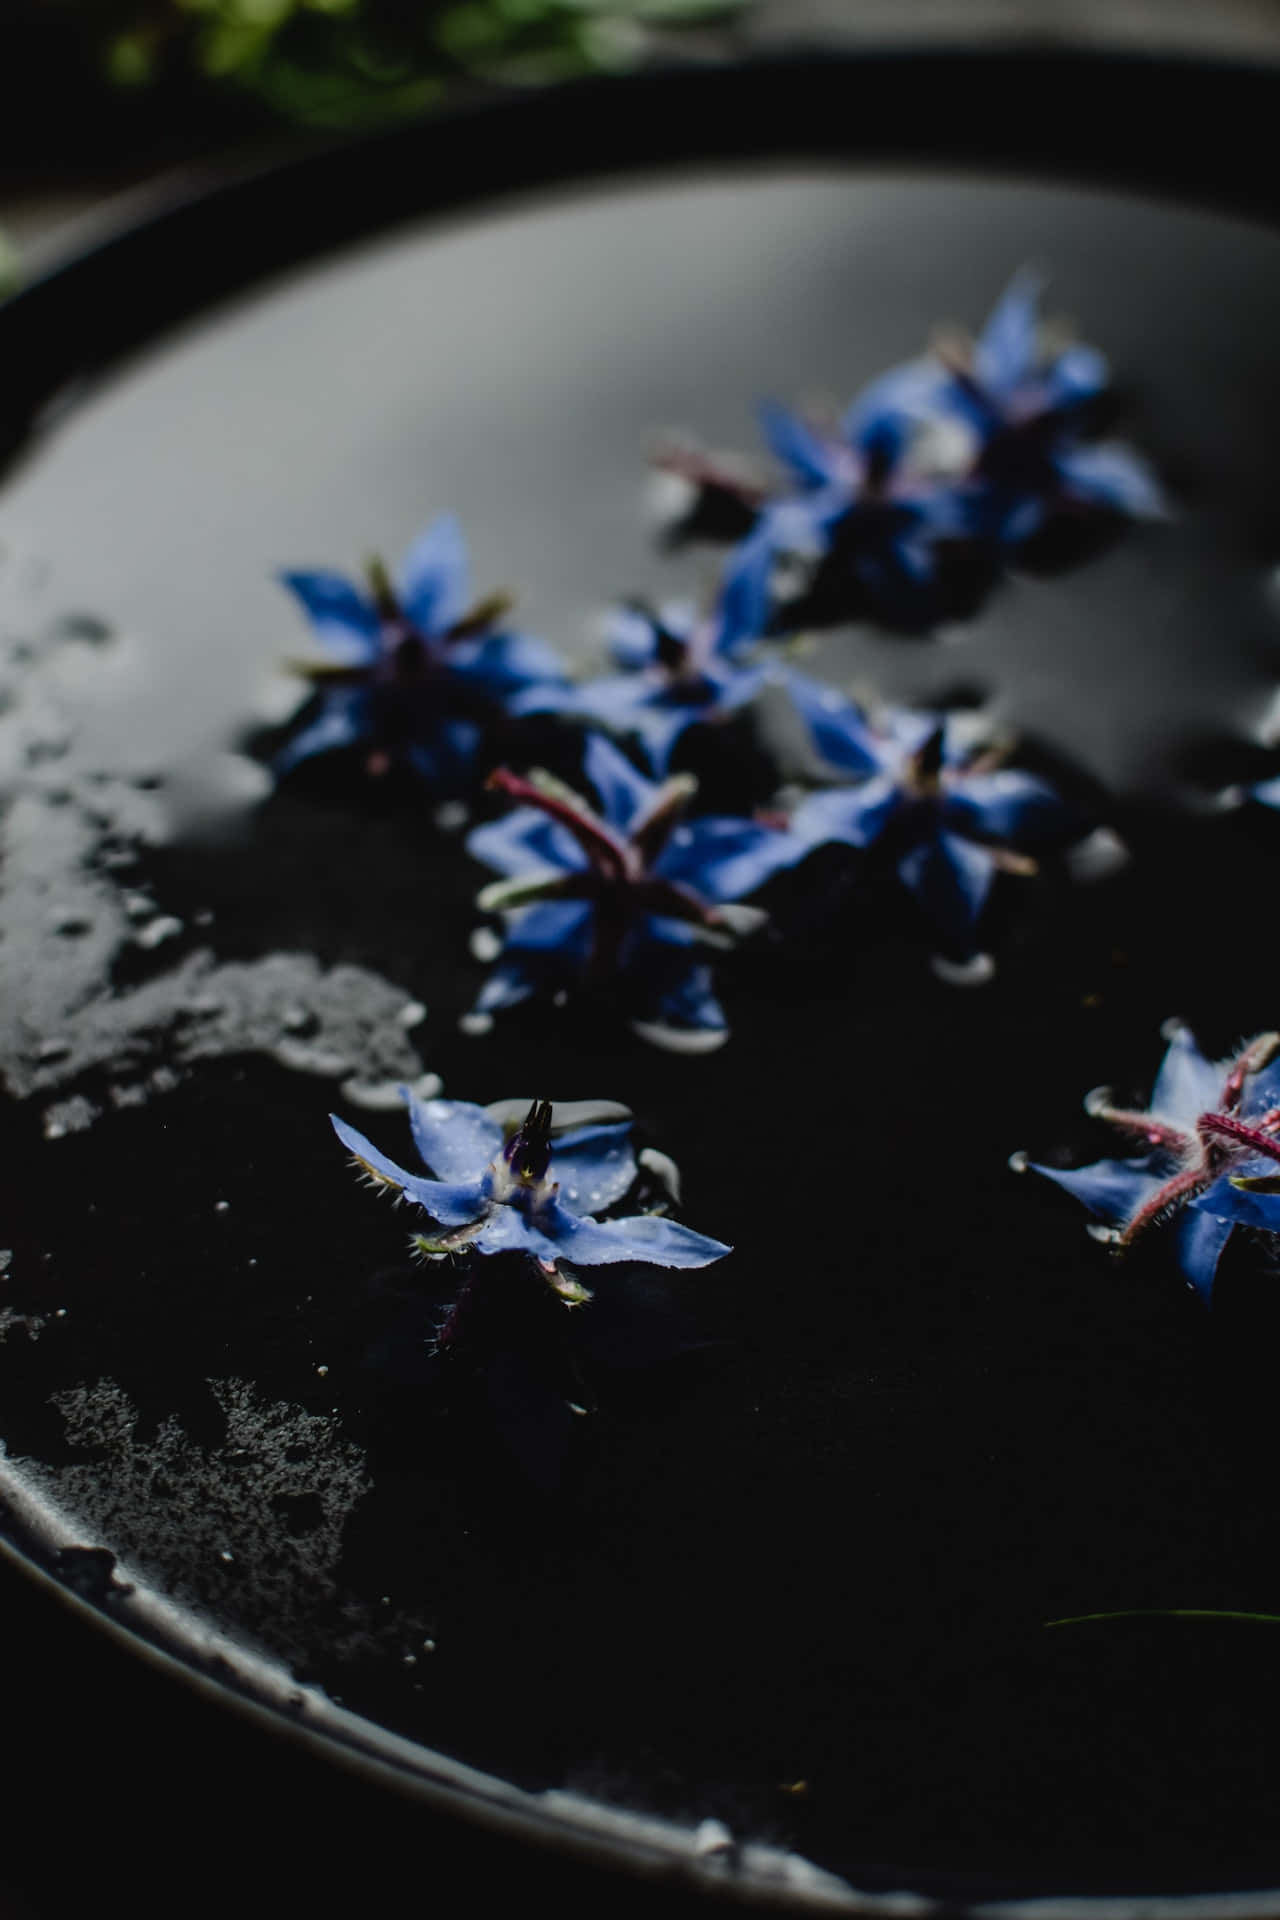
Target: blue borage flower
(869,531)
(629,892)
(678,670)
(949,816)
(1212,1134)
(502,1183)
(1021,408)
(415,665)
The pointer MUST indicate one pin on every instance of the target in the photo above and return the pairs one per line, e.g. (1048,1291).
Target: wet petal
(456,1139)
(1076,375)
(1112,476)
(912,391)
(1187,1084)
(743,605)
(793,441)
(1007,806)
(343,617)
(723,858)
(343,721)
(839,729)
(451,1205)
(1112,1189)
(506,986)
(594,1166)
(647,1237)
(556,925)
(951,879)
(1004,353)
(1199,1240)
(623,793)
(525,841)
(1237,1206)
(1262,1093)
(434,581)
(855,816)
(506,663)
(631,637)
(508,1230)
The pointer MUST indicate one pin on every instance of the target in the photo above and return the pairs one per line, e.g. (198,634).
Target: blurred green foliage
(342,63)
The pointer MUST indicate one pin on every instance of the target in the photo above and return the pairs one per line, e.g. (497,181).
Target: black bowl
(776,1629)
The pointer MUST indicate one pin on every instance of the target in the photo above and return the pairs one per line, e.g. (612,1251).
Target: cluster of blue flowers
(621,883)
(979,455)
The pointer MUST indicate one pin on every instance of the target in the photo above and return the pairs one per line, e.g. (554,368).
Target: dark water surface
(796,1570)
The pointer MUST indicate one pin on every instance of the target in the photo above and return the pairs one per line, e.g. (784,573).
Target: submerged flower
(1212,1140)
(627,891)
(678,670)
(415,666)
(947,816)
(500,1183)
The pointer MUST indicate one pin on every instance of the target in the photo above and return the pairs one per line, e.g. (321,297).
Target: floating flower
(947,815)
(629,892)
(1023,409)
(870,534)
(499,1183)
(416,667)
(679,670)
(1212,1139)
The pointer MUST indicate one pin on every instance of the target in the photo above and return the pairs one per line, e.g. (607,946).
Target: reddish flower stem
(1183,1187)
(611,856)
(1225,1126)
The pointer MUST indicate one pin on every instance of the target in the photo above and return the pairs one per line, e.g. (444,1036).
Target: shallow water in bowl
(796,1569)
